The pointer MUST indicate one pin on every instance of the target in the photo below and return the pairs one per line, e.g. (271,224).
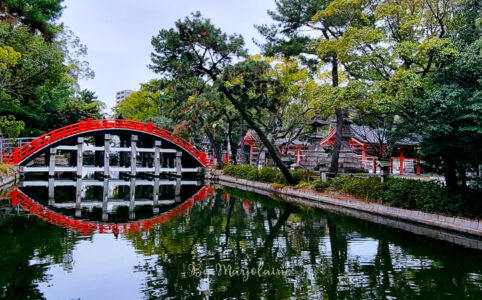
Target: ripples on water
(214,243)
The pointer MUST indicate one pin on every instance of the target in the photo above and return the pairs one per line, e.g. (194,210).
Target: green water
(225,247)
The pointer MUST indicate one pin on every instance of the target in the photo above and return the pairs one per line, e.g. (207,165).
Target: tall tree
(303,28)
(38,82)
(450,118)
(196,48)
(38,15)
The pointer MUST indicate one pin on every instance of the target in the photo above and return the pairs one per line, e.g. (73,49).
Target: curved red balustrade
(89,227)
(21,154)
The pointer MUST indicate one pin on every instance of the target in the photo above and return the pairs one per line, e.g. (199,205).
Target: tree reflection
(28,247)
(228,233)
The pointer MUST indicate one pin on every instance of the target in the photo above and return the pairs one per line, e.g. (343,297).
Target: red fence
(22,153)
(90,227)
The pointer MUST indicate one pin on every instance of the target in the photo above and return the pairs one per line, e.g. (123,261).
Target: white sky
(118,34)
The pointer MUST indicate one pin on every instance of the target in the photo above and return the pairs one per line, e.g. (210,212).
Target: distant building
(361,153)
(121,95)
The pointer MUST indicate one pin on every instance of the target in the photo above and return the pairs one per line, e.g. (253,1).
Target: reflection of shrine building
(358,153)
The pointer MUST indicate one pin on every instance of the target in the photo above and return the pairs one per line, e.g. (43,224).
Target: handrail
(20,154)
(89,227)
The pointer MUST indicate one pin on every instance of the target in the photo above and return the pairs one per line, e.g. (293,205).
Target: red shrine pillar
(298,158)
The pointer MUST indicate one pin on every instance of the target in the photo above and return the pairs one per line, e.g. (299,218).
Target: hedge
(428,196)
(266,174)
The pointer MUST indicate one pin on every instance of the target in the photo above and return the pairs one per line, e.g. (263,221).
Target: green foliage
(195,51)
(451,126)
(364,188)
(36,15)
(140,106)
(253,175)
(408,193)
(320,185)
(302,184)
(39,80)
(304,174)
(9,127)
(5,169)
(266,174)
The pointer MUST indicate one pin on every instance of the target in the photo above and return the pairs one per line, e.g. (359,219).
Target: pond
(183,240)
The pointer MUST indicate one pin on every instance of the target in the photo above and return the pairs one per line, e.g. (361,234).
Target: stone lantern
(316,157)
(317,134)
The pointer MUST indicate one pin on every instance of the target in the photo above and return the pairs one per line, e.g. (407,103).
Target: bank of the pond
(9,176)
(463,225)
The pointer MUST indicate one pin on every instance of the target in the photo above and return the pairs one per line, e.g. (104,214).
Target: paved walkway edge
(473,227)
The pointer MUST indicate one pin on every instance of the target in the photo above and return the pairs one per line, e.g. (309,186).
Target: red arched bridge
(89,227)
(64,138)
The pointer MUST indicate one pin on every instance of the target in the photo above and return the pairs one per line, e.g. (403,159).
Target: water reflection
(117,206)
(210,249)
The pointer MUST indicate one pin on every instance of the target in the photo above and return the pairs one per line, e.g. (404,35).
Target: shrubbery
(429,196)
(407,193)
(266,174)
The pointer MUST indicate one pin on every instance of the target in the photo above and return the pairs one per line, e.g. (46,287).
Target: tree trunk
(336,149)
(463,177)
(216,147)
(339,113)
(241,149)
(335,260)
(451,175)
(271,148)
(233,147)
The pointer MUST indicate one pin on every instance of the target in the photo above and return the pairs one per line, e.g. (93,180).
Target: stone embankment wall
(9,178)
(473,227)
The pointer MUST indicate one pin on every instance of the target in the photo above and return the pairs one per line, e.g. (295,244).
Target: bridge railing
(90,227)
(19,154)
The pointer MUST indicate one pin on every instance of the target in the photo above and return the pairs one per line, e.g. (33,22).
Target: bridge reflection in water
(109,205)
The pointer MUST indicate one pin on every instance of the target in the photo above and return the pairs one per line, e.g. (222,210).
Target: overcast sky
(118,34)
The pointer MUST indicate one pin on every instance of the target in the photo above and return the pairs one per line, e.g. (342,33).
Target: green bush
(366,188)
(401,192)
(244,170)
(410,193)
(303,175)
(253,175)
(320,185)
(280,178)
(229,170)
(268,174)
(339,182)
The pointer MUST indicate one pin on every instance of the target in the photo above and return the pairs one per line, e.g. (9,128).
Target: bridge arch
(21,156)
(89,227)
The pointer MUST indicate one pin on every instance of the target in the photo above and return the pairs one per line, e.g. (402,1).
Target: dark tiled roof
(365,134)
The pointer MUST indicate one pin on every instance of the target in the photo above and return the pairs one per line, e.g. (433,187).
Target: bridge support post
(80,156)
(133,155)
(179,163)
(106,155)
(78,197)
(51,191)
(155,194)
(52,153)
(105,199)
(177,192)
(157,158)
(132,199)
